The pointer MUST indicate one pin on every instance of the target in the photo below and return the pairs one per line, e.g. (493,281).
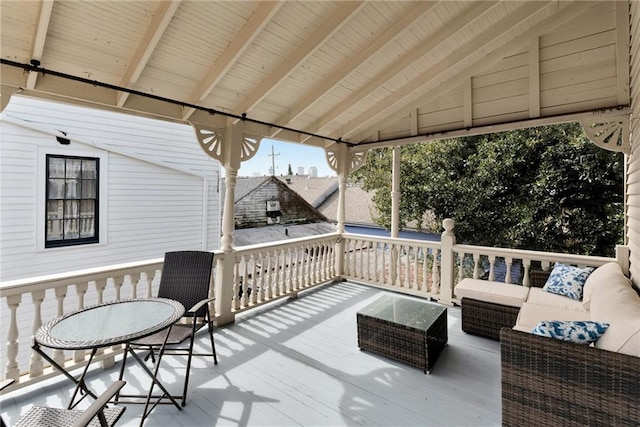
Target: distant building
(313,172)
(300,170)
(322,193)
(264,201)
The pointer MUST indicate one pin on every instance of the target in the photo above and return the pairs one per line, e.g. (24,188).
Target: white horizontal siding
(151,206)
(633,165)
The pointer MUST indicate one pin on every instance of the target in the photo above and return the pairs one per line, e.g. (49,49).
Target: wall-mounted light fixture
(63,141)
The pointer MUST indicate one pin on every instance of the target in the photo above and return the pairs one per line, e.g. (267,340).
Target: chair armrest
(566,383)
(199,305)
(99,404)
(6,383)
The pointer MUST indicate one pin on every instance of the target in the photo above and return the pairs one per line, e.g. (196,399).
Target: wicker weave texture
(486,319)
(548,382)
(39,416)
(538,278)
(401,343)
(186,276)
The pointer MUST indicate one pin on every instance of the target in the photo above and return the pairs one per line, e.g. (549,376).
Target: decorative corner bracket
(211,140)
(355,159)
(611,133)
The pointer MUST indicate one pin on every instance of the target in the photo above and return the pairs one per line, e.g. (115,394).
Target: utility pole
(273,156)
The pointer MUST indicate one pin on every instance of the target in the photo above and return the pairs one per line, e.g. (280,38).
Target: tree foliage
(547,188)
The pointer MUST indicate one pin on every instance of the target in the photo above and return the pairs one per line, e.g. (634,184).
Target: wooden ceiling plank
(568,12)
(252,29)
(344,12)
(467,103)
(355,61)
(39,38)
(534,77)
(463,20)
(493,33)
(156,28)
(622,56)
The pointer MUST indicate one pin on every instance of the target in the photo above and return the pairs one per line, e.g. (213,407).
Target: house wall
(250,211)
(633,165)
(150,202)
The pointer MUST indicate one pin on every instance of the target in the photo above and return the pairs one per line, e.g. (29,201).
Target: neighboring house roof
(272,233)
(245,185)
(253,196)
(322,193)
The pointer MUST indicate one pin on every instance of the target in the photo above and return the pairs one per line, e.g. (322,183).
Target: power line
(35,66)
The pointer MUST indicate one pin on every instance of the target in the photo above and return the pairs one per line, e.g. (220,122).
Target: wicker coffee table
(407,330)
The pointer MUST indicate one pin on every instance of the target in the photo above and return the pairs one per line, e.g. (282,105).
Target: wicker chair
(186,277)
(97,414)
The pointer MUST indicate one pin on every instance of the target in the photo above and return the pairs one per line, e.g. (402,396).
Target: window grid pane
(72,205)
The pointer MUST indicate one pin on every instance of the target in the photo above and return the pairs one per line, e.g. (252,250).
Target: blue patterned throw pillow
(577,331)
(567,280)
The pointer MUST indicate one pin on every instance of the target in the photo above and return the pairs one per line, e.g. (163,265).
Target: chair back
(186,276)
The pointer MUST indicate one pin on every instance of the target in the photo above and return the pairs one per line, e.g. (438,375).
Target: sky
(296,155)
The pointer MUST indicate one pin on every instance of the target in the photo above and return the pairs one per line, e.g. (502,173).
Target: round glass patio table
(109,323)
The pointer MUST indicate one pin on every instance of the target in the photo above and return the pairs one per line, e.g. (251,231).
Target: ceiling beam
(466,18)
(329,27)
(253,27)
(157,26)
(600,115)
(355,61)
(566,12)
(39,38)
(420,83)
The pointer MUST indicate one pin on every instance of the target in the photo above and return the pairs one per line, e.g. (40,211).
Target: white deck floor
(297,363)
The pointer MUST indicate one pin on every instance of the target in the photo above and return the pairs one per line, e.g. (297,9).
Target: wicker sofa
(546,381)
(489,306)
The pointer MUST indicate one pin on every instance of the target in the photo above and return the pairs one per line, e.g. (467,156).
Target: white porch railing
(29,303)
(408,266)
(262,274)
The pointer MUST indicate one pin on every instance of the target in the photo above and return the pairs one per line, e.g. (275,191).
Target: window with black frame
(72,201)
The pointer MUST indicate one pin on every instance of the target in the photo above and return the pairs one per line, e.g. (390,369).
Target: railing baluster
(81,290)
(260,271)
(508,262)
(253,281)
(60,293)
(461,256)
(12,369)
(526,262)
(36,364)
(476,266)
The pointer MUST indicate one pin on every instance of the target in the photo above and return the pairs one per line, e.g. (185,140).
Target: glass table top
(110,323)
(410,312)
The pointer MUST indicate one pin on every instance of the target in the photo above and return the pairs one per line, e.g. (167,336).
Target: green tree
(547,188)
(289,170)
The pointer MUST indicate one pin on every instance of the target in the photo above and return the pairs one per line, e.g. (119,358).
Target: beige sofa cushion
(620,307)
(531,314)
(494,292)
(541,297)
(606,276)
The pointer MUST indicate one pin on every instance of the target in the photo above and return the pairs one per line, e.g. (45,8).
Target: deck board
(297,362)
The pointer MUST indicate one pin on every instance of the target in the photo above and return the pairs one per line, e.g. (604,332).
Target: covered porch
(296,362)
(347,77)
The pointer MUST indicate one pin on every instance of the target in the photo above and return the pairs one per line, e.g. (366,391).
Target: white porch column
(343,174)
(447,262)
(342,161)
(395,193)
(229,145)
(395,211)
